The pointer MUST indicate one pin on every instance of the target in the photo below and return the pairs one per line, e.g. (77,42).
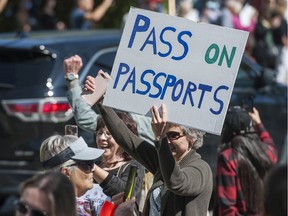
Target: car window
(105,61)
(101,60)
(21,69)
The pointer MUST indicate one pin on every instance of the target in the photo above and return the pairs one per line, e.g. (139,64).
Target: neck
(79,193)
(183,155)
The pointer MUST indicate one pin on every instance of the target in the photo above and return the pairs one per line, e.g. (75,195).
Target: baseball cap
(78,150)
(237,120)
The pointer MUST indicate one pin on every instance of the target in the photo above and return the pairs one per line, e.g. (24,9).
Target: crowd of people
(31,15)
(79,180)
(266,20)
(85,178)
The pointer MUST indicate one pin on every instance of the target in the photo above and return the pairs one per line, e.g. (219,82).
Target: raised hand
(73,64)
(159,121)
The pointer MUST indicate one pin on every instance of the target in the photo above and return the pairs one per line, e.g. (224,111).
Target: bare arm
(99,11)
(3,5)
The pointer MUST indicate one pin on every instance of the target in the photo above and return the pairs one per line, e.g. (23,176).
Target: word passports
(190,67)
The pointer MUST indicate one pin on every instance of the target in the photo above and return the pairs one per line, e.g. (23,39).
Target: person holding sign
(89,120)
(84,115)
(182,180)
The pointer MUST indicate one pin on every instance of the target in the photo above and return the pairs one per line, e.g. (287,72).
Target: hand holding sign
(95,88)
(190,67)
(159,120)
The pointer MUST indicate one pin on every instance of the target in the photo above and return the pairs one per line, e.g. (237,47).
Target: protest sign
(190,67)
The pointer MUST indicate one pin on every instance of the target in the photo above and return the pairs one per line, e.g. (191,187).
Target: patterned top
(230,197)
(91,202)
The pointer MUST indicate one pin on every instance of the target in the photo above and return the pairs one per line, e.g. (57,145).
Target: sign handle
(171,7)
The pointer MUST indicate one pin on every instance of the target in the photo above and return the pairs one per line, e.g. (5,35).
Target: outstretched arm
(189,180)
(85,117)
(264,135)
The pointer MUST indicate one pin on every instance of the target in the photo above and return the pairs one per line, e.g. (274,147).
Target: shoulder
(227,160)
(226,154)
(202,165)
(195,161)
(135,163)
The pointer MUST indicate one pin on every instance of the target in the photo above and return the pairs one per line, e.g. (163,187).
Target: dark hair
(254,163)
(249,152)
(275,191)
(237,121)
(129,122)
(58,189)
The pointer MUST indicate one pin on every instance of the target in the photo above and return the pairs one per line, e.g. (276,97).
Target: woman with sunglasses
(72,157)
(46,194)
(182,180)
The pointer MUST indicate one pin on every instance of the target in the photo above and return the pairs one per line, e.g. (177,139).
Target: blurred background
(37,35)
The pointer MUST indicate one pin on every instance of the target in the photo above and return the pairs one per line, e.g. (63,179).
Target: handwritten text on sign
(191,67)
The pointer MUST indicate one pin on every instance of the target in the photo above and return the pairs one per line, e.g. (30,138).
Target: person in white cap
(71,156)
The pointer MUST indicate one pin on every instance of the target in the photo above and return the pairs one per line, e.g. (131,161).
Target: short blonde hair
(55,144)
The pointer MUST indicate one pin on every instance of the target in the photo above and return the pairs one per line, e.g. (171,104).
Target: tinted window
(104,62)
(21,69)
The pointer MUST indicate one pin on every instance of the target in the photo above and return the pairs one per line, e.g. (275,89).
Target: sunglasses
(106,133)
(86,166)
(23,208)
(174,135)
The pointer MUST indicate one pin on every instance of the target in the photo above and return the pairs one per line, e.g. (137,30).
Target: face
(33,202)
(177,141)
(81,175)
(106,142)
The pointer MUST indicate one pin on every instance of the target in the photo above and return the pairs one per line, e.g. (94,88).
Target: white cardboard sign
(190,67)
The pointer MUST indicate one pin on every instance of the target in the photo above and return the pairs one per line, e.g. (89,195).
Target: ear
(65,171)
(190,140)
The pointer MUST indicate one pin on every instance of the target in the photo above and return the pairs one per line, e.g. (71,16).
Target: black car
(33,102)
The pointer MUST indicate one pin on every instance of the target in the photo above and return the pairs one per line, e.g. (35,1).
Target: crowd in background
(247,165)
(266,20)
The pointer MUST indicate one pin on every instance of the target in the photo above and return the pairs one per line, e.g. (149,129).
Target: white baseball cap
(78,150)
